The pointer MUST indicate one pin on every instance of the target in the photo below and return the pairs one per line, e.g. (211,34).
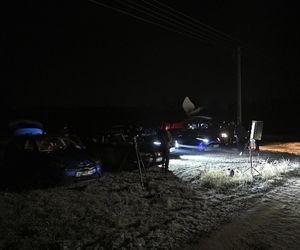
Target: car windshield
(50,144)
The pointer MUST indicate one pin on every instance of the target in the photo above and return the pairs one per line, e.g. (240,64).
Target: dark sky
(75,53)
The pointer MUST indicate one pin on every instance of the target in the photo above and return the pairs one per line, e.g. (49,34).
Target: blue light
(200,146)
(73,173)
(70,173)
(99,169)
(28,131)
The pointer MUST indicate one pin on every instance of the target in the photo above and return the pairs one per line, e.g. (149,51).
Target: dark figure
(231,172)
(68,133)
(65,131)
(165,138)
(231,127)
(241,135)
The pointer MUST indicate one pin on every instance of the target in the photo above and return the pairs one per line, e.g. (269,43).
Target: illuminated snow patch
(213,170)
(192,157)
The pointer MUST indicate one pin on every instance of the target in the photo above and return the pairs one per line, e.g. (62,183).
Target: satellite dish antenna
(189,107)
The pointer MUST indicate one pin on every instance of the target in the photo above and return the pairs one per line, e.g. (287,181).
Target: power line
(204,40)
(196,21)
(161,19)
(187,19)
(148,21)
(170,20)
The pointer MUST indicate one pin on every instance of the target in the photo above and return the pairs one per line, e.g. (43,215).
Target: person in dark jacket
(165,138)
(241,135)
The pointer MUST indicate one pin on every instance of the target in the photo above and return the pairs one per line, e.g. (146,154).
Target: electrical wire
(171,21)
(196,21)
(207,42)
(188,19)
(204,40)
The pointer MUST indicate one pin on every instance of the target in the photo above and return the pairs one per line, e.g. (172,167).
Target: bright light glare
(224,135)
(191,157)
(157,143)
(205,140)
(176,144)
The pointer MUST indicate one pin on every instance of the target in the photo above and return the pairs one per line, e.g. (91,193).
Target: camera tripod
(252,146)
(139,159)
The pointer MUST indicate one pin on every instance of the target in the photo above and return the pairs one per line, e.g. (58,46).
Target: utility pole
(239,86)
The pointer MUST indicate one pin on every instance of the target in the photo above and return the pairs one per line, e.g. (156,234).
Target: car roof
(25,123)
(28,136)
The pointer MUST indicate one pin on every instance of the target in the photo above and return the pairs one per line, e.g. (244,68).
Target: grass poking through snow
(216,175)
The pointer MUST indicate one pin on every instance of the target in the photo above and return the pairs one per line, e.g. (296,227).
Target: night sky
(76,53)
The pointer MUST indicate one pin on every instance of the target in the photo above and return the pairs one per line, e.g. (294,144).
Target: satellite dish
(189,107)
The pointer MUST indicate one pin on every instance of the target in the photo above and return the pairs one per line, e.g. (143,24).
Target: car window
(70,144)
(49,144)
(29,145)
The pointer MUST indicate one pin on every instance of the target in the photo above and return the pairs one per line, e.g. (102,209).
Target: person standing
(165,138)
(240,133)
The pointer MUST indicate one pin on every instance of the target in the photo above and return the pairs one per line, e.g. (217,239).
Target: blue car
(42,159)
(194,140)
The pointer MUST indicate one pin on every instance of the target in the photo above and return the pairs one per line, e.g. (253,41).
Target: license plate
(216,145)
(84,173)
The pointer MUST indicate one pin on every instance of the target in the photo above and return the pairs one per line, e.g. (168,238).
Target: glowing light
(224,135)
(157,143)
(290,147)
(191,157)
(200,146)
(205,140)
(28,131)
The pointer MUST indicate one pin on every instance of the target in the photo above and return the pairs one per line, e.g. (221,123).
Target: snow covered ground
(172,211)
(272,223)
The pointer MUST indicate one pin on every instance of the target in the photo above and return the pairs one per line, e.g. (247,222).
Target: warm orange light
(290,147)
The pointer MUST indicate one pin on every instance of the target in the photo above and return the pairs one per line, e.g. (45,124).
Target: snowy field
(172,211)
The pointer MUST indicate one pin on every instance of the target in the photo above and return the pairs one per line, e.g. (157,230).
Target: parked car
(116,147)
(198,133)
(206,129)
(193,140)
(42,159)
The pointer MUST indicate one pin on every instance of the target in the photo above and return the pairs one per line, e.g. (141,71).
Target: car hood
(72,159)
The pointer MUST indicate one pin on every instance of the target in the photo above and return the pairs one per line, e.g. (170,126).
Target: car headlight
(204,140)
(224,135)
(157,143)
